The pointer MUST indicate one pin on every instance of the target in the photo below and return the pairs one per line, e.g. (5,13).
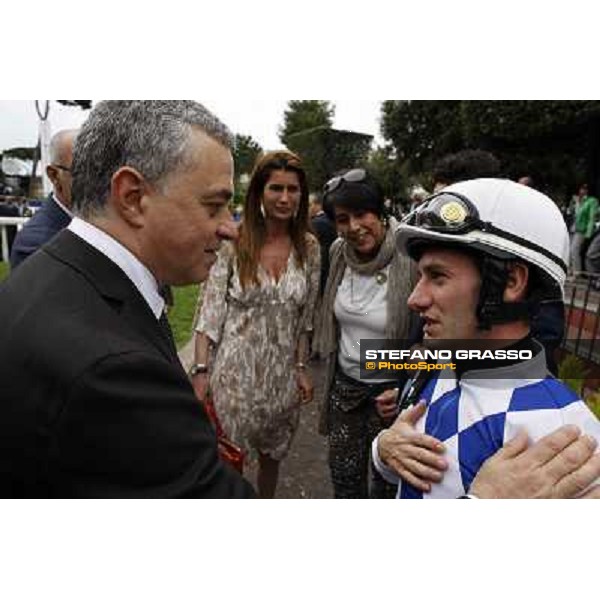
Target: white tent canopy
(16,167)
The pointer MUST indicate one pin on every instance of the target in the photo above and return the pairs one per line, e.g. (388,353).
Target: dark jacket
(326,234)
(95,402)
(548,327)
(41,228)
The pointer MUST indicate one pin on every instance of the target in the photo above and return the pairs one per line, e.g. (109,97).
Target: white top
(361,311)
(139,275)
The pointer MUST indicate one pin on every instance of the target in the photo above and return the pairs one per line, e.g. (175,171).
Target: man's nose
(419,299)
(227,229)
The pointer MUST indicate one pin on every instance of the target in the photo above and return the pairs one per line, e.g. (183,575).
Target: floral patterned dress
(256,331)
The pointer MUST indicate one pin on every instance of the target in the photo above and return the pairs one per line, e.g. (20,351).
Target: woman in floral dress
(257,315)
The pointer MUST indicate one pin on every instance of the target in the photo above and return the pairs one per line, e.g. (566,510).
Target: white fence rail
(5,222)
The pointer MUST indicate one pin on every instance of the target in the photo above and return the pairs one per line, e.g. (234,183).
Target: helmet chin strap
(491,308)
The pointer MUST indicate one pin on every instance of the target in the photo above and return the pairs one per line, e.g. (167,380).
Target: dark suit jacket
(94,401)
(326,234)
(41,228)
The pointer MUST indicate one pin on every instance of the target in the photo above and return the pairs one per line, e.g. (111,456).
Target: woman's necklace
(359,304)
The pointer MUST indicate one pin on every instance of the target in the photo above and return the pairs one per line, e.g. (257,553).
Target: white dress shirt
(139,275)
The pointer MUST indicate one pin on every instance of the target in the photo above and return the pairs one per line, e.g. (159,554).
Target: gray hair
(151,136)
(59,144)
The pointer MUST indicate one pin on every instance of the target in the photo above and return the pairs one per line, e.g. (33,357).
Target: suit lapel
(114,286)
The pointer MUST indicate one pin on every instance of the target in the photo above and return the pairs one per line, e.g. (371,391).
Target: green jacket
(585,217)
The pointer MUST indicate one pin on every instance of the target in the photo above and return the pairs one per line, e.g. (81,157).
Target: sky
(259,118)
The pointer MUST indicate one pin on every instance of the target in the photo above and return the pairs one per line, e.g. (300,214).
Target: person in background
(417,195)
(324,229)
(464,165)
(56,212)
(526,180)
(95,402)
(585,225)
(256,317)
(365,297)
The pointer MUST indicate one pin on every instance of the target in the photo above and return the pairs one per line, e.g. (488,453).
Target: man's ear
(516,283)
(53,177)
(128,187)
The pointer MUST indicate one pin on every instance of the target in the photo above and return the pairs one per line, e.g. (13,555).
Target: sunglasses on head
(353,176)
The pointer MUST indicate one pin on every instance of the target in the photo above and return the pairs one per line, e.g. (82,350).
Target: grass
(4,269)
(182,313)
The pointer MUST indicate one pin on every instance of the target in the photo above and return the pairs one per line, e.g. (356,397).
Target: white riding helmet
(496,216)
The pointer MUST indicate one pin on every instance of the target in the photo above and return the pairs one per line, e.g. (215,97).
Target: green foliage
(302,115)
(519,120)
(4,270)
(245,154)
(22,153)
(181,315)
(384,166)
(84,104)
(593,402)
(326,151)
(572,372)
(557,142)
(422,130)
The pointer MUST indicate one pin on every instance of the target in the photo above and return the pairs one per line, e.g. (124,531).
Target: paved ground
(304,473)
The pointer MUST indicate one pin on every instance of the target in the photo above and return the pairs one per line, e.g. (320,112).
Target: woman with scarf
(365,298)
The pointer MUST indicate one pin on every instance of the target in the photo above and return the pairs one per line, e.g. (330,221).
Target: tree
(302,115)
(245,153)
(385,167)
(84,104)
(325,152)
(557,142)
(421,130)
(24,153)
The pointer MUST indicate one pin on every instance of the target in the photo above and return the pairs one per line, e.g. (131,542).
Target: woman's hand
(414,456)
(386,404)
(200,385)
(305,386)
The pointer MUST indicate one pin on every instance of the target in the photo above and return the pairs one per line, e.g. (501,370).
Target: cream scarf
(400,284)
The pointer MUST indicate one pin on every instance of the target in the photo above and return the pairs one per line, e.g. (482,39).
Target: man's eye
(276,187)
(213,209)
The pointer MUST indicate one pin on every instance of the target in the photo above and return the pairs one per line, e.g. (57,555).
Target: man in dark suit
(326,233)
(94,401)
(55,214)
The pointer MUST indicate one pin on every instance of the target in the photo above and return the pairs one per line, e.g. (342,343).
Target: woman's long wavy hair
(253,229)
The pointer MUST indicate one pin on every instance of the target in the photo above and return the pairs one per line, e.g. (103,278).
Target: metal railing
(582,317)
